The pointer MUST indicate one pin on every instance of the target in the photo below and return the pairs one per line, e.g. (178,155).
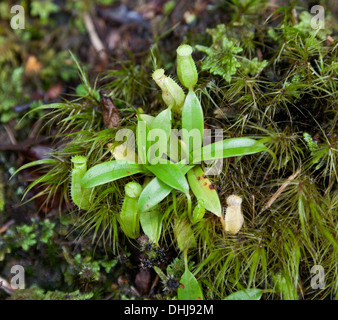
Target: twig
(10,134)
(329,39)
(280,190)
(14,143)
(109,297)
(294,16)
(134,291)
(36,128)
(157,278)
(253,208)
(4,285)
(21,145)
(6,226)
(94,38)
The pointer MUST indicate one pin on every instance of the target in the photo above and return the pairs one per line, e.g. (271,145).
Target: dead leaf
(142,281)
(111,115)
(53,92)
(33,65)
(4,285)
(5,227)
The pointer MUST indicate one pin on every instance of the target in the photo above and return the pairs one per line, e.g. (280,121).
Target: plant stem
(185,256)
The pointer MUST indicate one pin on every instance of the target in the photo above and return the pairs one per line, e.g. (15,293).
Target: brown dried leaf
(33,65)
(142,281)
(5,285)
(54,92)
(111,115)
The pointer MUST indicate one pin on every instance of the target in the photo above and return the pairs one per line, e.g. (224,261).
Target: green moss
(275,82)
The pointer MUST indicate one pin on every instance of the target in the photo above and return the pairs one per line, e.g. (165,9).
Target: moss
(277,82)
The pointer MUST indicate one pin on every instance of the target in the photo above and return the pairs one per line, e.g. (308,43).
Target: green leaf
(253,66)
(222,58)
(284,284)
(158,136)
(198,213)
(43,9)
(189,288)
(192,118)
(229,148)
(163,122)
(36,163)
(108,172)
(204,191)
(248,294)
(151,223)
(171,175)
(155,191)
(147,118)
(142,131)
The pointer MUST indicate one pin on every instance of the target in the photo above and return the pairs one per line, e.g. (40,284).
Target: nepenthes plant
(150,182)
(171,162)
(169,171)
(169,155)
